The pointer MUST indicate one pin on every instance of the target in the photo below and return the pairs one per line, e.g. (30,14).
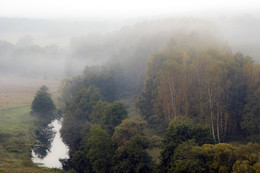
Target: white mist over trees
(157,92)
(61,48)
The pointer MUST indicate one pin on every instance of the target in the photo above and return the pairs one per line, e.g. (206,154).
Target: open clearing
(20,90)
(17,126)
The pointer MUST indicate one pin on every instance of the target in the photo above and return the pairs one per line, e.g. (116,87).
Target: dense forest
(193,95)
(209,84)
(130,86)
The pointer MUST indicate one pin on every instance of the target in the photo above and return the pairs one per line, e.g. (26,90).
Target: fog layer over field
(62,48)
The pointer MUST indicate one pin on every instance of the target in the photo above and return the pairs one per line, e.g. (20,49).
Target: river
(50,147)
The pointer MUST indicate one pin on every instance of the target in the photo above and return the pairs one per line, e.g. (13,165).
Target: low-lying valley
(160,96)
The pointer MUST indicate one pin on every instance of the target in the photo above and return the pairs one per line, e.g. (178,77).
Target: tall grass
(17,137)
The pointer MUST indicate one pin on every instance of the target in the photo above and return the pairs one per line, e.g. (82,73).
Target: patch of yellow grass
(20,90)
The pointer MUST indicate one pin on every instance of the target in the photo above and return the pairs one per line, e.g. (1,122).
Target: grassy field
(17,126)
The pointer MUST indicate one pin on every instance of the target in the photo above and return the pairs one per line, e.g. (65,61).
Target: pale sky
(122,8)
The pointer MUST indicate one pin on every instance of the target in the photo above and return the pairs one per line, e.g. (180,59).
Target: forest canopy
(209,84)
(196,94)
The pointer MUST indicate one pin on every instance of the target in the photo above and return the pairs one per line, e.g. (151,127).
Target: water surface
(50,147)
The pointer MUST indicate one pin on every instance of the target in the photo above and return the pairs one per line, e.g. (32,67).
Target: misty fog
(62,48)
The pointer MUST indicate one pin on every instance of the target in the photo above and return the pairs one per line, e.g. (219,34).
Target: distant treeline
(63,48)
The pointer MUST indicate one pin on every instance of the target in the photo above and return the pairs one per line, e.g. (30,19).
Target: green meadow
(17,134)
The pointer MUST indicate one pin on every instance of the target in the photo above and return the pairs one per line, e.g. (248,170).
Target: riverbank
(17,126)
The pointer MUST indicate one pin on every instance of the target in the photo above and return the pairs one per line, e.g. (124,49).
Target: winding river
(50,147)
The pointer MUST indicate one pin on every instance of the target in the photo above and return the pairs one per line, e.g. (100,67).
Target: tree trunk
(173,96)
(218,127)
(211,112)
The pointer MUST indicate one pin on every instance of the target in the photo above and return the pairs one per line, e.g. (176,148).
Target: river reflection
(44,140)
(50,147)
